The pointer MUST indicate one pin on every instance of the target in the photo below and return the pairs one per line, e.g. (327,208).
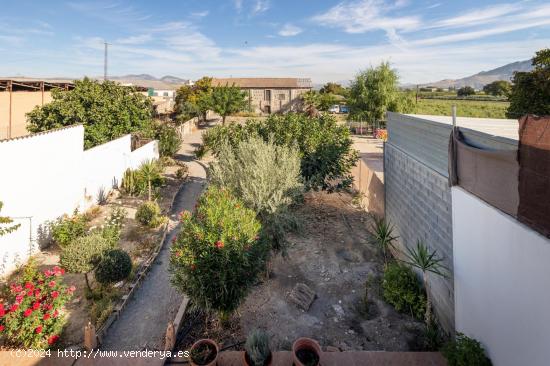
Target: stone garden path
(142,324)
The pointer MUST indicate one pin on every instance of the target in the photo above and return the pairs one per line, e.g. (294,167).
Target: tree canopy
(226,100)
(193,101)
(498,88)
(107,110)
(465,91)
(333,88)
(531,90)
(374,92)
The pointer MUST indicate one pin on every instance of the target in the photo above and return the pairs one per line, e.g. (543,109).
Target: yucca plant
(427,261)
(257,348)
(149,171)
(383,236)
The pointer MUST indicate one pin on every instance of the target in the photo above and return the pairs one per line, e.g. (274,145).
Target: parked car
(344,109)
(334,109)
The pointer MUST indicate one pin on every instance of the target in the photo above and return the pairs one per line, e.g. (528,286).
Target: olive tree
(226,100)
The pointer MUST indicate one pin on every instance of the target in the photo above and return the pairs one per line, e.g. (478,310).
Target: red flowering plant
(218,254)
(32,317)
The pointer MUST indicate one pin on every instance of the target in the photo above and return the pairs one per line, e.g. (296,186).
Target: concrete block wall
(418,204)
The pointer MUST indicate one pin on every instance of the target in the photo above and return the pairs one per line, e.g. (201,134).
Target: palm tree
(421,258)
(149,171)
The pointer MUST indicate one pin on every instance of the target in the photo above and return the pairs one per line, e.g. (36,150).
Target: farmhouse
(270,95)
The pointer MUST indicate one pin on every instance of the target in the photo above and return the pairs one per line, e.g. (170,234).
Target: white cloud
(367,15)
(290,30)
(481,16)
(200,14)
(143,38)
(260,6)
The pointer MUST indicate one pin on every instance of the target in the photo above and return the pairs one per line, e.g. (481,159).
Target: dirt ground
(332,256)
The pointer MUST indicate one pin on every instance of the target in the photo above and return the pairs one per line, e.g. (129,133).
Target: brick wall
(418,203)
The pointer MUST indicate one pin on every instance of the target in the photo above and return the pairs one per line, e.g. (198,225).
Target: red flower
(55,294)
(18,299)
(27,313)
(46,316)
(219,244)
(36,293)
(36,305)
(2,312)
(52,339)
(71,289)
(14,307)
(55,313)
(51,284)
(1,328)
(48,273)
(193,267)
(29,293)
(48,306)
(29,286)
(38,329)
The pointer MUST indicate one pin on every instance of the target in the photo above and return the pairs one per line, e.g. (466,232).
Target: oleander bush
(326,149)
(218,253)
(266,177)
(148,214)
(465,351)
(115,265)
(67,228)
(402,290)
(32,314)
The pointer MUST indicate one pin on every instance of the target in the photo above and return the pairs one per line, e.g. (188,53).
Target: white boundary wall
(46,175)
(502,283)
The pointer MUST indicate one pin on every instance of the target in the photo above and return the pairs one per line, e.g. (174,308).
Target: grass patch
(464,108)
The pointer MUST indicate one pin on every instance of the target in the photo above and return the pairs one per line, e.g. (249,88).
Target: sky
(325,40)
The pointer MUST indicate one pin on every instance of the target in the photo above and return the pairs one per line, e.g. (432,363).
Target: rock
(339,310)
(332,349)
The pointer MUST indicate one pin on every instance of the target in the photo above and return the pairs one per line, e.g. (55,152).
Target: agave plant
(257,348)
(427,261)
(383,236)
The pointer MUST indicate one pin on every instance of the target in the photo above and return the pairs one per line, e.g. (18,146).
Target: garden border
(142,271)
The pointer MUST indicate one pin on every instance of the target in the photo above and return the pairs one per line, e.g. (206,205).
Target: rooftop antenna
(105,62)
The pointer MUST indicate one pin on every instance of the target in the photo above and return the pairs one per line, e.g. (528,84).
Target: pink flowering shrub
(218,253)
(32,317)
(381,133)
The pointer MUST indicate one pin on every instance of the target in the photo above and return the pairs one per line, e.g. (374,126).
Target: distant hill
(149,81)
(483,78)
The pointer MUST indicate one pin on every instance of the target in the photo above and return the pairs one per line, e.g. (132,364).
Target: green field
(464,108)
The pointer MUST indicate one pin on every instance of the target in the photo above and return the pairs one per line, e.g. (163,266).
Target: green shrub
(182,172)
(217,254)
(115,265)
(147,179)
(326,149)
(465,351)
(148,214)
(257,348)
(66,229)
(266,177)
(84,254)
(168,139)
(402,290)
(100,311)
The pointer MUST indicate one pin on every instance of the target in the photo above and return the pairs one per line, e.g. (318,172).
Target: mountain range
(480,79)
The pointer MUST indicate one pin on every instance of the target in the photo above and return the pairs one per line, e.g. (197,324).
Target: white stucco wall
(502,283)
(104,166)
(47,175)
(40,179)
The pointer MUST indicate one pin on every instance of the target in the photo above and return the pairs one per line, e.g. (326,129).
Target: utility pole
(105,62)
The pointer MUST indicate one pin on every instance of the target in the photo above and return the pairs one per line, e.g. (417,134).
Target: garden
(276,249)
(94,257)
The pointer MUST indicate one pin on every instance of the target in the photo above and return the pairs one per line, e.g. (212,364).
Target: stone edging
(142,271)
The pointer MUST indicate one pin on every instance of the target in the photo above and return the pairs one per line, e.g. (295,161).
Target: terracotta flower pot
(306,352)
(211,357)
(247,362)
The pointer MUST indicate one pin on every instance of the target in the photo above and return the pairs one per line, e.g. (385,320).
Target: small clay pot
(306,348)
(246,360)
(202,342)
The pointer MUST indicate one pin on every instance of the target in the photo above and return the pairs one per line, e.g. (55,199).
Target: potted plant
(204,353)
(306,352)
(257,349)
